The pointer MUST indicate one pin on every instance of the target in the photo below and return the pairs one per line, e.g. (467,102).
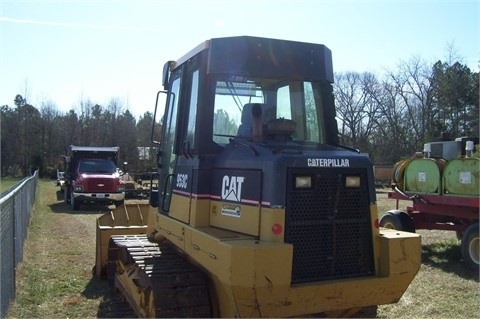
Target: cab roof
(265,57)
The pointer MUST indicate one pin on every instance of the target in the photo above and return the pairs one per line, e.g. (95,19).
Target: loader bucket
(127,219)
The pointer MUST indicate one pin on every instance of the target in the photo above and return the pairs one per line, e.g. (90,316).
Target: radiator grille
(329,226)
(99,185)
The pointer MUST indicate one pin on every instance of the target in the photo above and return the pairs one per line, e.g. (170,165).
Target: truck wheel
(74,202)
(397,219)
(66,195)
(470,247)
(119,203)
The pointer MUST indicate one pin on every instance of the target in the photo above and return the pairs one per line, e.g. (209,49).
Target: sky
(65,52)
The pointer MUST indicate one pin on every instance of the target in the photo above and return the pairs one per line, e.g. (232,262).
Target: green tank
(423,175)
(461,175)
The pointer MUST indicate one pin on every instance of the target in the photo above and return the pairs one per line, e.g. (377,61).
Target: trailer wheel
(397,219)
(470,247)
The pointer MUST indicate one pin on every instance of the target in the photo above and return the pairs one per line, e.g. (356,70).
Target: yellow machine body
(260,211)
(124,220)
(250,274)
(252,277)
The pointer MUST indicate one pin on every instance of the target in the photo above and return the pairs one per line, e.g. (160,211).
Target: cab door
(179,145)
(168,155)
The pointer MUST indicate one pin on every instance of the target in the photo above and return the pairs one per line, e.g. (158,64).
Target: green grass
(8,182)
(443,288)
(55,278)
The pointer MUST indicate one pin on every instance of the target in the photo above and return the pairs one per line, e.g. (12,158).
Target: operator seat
(246,127)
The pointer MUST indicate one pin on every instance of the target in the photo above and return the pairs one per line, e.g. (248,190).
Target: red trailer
(444,195)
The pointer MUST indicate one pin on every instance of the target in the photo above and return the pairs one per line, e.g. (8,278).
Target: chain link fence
(16,207)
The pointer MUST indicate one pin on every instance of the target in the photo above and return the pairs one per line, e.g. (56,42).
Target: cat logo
(232,188)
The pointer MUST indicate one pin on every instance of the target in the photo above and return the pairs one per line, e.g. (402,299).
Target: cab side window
(192,113)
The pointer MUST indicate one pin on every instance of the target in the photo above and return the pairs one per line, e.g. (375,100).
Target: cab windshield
(287,110)
(95,166)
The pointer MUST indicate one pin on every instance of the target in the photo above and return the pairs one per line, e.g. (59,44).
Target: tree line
(389,117)
(393,116)
(38,138)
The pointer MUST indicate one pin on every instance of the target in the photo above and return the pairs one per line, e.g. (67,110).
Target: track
(156,280)
(114,307)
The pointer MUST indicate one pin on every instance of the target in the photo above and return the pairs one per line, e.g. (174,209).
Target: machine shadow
(110,305)
(61,207)
(448,259)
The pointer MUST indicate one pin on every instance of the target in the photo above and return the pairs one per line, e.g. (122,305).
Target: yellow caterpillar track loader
(259,211)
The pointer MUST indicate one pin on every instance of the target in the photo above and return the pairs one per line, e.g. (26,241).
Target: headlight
(303,182)
(352,181)
(78,188)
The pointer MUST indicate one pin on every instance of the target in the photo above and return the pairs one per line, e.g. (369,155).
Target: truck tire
(74,202)
(470,247)
(66,195)
(119,203)
(397,219)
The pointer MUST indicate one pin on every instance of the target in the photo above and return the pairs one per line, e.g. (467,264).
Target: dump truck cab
(256,194)
(92,176)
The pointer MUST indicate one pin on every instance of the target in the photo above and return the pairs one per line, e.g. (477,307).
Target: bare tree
(356,108)
(391,135)
(115,108)
(49,113)
(414,82)
(85,117)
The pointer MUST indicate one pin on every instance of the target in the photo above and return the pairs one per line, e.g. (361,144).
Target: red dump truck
(91,177)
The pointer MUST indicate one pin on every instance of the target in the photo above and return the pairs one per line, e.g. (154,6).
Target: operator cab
(269,95)
(290,82)
(250,147)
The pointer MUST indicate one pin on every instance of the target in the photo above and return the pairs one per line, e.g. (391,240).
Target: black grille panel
(329,226)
